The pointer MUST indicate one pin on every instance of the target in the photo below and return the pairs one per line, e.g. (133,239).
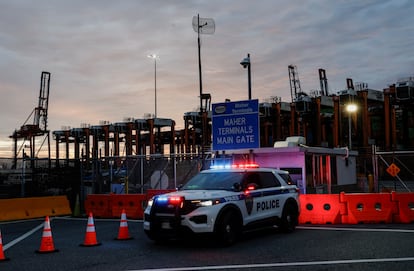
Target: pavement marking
(20,221)
(267,265)
(24,236)
(95,219)
(354,229)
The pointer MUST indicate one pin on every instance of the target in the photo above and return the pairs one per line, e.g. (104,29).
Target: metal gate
(393,170)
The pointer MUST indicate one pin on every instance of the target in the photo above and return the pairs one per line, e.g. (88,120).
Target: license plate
(166,225)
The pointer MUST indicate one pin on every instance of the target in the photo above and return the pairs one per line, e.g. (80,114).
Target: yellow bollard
(370,183)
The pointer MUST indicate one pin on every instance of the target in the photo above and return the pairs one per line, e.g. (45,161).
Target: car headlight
(150,202)
(205,203)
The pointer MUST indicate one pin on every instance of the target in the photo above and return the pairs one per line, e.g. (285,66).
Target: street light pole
(246,64)
(111,164)
(349,131)
(351,108)
(155,57)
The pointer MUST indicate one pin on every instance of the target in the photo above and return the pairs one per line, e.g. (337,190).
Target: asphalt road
(310,247)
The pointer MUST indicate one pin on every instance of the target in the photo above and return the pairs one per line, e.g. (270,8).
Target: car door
(269,204)
(262,189)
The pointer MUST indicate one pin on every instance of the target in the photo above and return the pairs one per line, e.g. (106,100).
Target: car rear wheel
(289,218)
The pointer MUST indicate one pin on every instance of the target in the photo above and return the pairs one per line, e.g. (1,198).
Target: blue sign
(236,125)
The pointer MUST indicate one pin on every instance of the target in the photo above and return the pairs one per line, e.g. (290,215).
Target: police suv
(225,202)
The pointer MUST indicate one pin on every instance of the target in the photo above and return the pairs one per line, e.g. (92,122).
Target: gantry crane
(295,88)
(29,132)
(324,82)
(301,99)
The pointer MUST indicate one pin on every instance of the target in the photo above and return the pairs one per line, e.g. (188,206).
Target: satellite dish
(203,25)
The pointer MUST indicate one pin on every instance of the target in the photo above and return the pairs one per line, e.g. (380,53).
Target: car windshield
(214,181)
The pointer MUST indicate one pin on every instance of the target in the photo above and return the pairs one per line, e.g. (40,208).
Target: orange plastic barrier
(24,208)
(99,205)
(368,208)
(321,209)
(133,205)
(405,204)
(153,192)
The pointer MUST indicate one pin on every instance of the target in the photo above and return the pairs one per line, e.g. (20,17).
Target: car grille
(167,217)
(186,208)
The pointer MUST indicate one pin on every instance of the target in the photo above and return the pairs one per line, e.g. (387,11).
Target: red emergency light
(173,200)
(228,166)
(247,165)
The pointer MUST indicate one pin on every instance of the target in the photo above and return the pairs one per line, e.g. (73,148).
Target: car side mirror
(237,187)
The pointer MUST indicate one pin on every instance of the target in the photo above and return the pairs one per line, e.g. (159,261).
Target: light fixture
(350,108)
(246,64)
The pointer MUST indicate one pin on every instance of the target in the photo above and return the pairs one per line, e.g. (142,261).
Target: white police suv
(225,202)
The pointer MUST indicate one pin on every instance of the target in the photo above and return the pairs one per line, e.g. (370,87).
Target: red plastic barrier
(153,192)
(99,205)
(321,209)
(133,204)
(368,208)
(405,204)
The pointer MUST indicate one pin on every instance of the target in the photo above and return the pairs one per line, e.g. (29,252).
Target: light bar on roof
(229,166)
(247,165)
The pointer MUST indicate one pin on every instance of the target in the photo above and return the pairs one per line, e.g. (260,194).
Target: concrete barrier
(99,204)
(321,209)
(315,209)
(405,203)
(368,208)
(25,208)
(133,204)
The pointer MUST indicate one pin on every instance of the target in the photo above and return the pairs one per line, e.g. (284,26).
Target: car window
(252,178)
(287,178)
(214,181)
(269,180)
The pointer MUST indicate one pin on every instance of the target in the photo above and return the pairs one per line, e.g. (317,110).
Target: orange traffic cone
(2,257)
(46,245)
(90,236)
(123,233)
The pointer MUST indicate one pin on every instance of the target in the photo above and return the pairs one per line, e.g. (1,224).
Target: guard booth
(314,169)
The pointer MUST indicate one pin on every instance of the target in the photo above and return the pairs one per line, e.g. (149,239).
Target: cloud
(97,52)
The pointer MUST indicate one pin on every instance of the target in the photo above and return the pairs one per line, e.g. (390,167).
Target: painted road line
(24,236)
(291,264)
(20,221)
(355,229)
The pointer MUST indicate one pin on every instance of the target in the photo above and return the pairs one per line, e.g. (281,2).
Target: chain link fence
(142,172)
(137,174)
(73,177)
(394,170)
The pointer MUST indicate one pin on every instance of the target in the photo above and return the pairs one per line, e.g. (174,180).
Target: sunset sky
(96,52)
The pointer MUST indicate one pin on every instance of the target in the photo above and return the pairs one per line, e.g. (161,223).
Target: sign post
(236,125)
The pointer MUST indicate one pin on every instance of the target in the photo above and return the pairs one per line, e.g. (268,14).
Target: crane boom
(38,127)
(295,88)
(40,118)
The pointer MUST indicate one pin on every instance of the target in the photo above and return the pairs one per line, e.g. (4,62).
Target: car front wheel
(228,229)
